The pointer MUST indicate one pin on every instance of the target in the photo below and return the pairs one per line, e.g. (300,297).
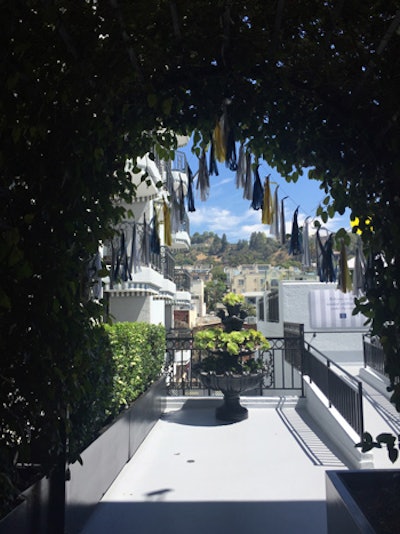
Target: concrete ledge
(336,427)
(186,402)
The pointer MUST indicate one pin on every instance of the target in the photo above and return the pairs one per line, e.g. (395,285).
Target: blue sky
(226,212)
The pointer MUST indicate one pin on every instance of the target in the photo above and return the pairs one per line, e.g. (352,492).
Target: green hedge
(126,360)
(138,351)
(121,361)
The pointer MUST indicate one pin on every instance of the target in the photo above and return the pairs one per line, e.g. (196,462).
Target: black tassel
(295,246)
(190,197)
(212,168)
(258,192)
(155,245)
(326,268)
(203,178)
(231,159)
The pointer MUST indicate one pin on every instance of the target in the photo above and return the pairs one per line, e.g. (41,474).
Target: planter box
(29,517)
(363,502)
(102,462)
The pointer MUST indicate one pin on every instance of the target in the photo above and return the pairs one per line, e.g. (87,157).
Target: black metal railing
(182,279)
(294,344)
(342,390)
(287,360)
(168,263)
(373,354)
(182,360)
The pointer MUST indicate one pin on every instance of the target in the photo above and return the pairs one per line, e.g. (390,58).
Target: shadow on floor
(311,439)
(297,517)
(196,412)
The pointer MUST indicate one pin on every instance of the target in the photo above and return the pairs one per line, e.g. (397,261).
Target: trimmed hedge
(123,361)
(138,351)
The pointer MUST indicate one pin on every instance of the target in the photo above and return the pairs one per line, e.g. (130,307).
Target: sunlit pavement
(195,474)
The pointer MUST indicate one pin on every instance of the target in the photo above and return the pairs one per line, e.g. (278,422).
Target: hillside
(210,248)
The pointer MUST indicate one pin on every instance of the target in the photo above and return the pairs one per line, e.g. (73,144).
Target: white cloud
(242,224)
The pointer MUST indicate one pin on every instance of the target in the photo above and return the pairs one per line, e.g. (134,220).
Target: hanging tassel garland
(155,245)
(203,179)
(306,260)
(283,223)
(182,212)
(145,246)
(258,193)
(125,275)
(219,139)
(231,161)
(134,259)
(190,197)
(213,167)
(295,245)
(276,215)
(167,225)
(241,168)
(325,264)
(248,187)
(267,209)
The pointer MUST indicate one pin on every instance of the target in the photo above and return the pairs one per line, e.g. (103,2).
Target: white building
(325,312)
(141,284)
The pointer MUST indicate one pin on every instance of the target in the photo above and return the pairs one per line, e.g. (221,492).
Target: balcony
(267,473)
(182,279)
(191,472)
(145,190)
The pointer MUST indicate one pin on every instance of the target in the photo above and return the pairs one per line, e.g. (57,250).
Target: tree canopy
(306,84)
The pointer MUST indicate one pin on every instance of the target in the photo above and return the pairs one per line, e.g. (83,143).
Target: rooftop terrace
(265,474)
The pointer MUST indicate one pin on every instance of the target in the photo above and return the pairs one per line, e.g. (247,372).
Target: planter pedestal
(231,386)
(231,409)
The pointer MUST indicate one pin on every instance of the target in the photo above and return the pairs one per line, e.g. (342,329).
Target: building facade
(141,285)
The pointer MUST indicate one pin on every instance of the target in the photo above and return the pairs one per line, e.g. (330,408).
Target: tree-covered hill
(211,248)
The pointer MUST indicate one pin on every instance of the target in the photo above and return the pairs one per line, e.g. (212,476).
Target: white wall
(343,346)
(137,309)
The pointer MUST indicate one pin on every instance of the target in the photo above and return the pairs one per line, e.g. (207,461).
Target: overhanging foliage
(85,84)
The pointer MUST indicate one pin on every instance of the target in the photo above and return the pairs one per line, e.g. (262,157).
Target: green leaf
(386,438)
(152,100)
(393,454)
(166,106)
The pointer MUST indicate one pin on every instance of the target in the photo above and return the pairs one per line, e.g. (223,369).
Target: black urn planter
(232,386)
(230,365)
(233,309)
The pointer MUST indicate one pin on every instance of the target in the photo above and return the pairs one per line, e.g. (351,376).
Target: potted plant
(231,365)
(233,303)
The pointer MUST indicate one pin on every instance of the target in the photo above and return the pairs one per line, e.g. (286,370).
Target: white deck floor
(266,474)
(194,474)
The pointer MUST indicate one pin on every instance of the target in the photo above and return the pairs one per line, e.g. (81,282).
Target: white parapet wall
(335,427)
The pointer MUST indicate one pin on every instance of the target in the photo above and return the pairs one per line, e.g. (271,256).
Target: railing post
(361,409)
(182,375)
(328,366)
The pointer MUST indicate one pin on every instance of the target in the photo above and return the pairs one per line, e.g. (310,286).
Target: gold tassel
(219,140)
(267,210)
(167,225)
